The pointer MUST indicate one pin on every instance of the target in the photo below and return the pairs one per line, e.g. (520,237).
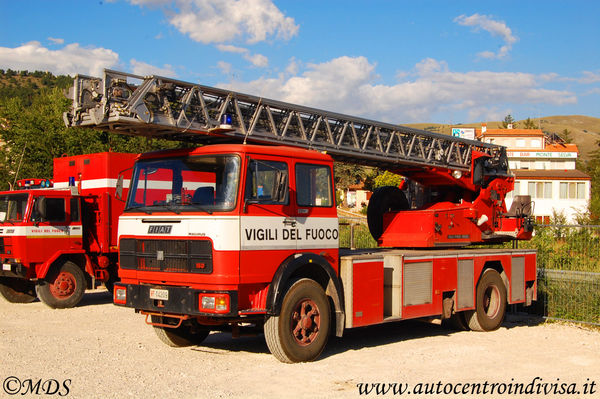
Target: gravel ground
(98,350)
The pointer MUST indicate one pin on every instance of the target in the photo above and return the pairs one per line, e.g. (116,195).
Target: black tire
(113,277)
(184,335)
(299,333)
(384,199)
(17,290)
(63,287)
(456,322)
(490,303)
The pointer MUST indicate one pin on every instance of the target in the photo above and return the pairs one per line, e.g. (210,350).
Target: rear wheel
(64,287)
(16,290)
(300,332)
(456,322)
(184,335)
(490,304)
(384,199)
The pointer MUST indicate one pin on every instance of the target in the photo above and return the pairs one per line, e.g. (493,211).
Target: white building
(544,170)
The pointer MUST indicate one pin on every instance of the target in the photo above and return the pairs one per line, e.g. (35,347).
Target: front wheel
(184,335)
(300,332)
(16,290)
(490,303)
(63,288)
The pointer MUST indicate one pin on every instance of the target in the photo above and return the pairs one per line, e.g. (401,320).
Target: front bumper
(181,300)
(10,269)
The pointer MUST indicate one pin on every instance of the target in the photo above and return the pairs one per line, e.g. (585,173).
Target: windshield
(197,183)
(12,207)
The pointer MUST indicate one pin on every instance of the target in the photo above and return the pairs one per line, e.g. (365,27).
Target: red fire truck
(234,236)
(59,236)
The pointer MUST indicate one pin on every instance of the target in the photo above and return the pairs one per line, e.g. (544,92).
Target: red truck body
(52,237)
(216,264)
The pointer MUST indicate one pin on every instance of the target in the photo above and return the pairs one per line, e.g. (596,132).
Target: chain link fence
(568,267)
(568,272)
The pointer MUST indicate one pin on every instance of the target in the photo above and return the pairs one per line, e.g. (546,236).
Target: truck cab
(36,226)
(224,219)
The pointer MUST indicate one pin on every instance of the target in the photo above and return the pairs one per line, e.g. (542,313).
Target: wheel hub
(63,286)
(305,322)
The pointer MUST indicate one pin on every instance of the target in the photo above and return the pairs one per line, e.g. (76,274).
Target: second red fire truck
(59,236)
(234,235)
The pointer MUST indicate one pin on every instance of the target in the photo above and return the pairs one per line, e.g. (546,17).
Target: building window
(536,143)
(572,190)
(539,189)
(520,143)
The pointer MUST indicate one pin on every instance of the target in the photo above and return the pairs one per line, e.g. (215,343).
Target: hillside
(585,130)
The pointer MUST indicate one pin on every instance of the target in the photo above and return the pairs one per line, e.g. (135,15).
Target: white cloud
(224,67)
(221,21)
(495,28)
(70,59)
(258,60)
(349,85)
(56,40)
(590,77)
(144,69)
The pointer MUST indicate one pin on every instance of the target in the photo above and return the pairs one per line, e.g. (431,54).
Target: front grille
(183,256)
(2,245)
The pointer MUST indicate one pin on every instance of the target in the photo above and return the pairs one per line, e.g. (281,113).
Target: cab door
(53,230)
(268,223)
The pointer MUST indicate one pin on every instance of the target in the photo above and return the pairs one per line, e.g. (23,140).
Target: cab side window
(75,209)
(262,181)
(313,185)
(55,210)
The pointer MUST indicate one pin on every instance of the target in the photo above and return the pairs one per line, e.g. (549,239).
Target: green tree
(508,120)
(347,175)
(387,178)
(34,134)
(566,136)
(529,124)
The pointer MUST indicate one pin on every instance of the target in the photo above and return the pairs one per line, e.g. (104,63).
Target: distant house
(545,169)
(358,196)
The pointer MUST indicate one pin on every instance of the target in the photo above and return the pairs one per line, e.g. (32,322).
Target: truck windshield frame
(13,207)
(205,183)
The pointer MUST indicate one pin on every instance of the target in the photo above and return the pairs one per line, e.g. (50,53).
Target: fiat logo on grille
(159,229)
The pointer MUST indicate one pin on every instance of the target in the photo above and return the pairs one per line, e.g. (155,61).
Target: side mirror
(120,182)
(119,188)
(280,187)
(40,209)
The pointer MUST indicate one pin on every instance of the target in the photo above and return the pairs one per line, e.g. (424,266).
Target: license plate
(159,294)
(6,266)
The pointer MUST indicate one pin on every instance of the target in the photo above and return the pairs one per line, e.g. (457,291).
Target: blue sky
(396,61)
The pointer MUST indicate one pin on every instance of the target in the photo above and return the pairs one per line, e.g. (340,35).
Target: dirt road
(98,350)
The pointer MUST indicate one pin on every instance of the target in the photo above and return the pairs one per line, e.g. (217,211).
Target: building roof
(574,174)
(510,132)
(561,148)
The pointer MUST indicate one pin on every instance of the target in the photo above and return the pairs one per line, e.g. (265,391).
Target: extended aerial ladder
(467,180)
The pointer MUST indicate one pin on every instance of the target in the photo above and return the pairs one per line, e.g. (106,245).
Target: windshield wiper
(146,211)
(200,207)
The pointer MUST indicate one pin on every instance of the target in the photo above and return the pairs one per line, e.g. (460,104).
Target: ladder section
(166,108)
